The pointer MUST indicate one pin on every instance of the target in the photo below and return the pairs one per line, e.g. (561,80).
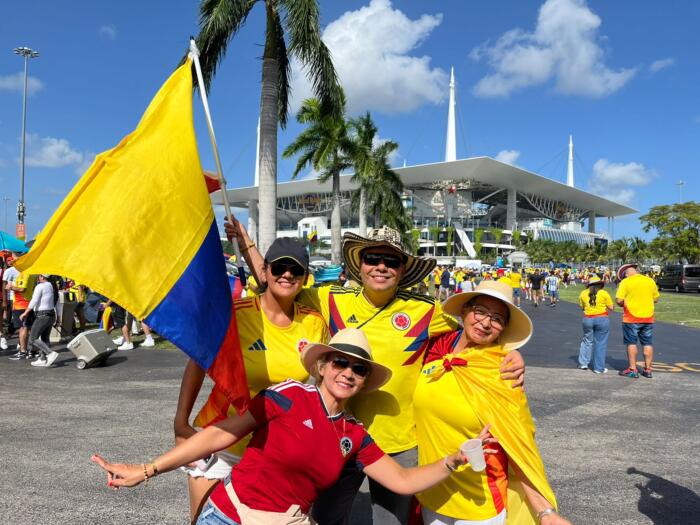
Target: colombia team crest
(401,321)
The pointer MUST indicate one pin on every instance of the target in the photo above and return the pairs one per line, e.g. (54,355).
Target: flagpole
(194,53)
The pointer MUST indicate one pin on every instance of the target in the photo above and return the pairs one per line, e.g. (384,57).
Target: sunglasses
(342,363)
(280,268)
(389,260)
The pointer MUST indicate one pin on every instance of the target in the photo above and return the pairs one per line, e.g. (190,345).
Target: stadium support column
(253,220)
(591,222)
(511,207)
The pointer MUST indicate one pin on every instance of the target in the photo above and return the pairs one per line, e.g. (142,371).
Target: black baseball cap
(288,248)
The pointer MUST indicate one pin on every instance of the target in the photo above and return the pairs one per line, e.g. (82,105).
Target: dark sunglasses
(280,268)
(358,368)
(390,261)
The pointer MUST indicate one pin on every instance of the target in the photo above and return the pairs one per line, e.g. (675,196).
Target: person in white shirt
(9,277)
(43,304)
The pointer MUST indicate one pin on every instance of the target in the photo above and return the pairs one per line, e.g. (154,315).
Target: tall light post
(27,54)
(680,184)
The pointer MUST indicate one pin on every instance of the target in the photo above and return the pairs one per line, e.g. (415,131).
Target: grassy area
(677,308)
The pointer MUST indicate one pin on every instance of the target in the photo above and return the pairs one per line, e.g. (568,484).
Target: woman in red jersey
(302,438)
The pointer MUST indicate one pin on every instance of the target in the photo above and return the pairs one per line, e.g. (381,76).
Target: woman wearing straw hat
(301,440)
(596,304)
(459,392)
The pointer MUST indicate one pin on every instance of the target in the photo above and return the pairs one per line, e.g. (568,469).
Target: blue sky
(622,77)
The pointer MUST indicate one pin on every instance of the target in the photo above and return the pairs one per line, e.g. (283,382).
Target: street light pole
(680,184)
(27,53)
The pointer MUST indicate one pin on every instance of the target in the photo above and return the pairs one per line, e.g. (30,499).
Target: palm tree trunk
(267,191)
(363,212)
(335,221)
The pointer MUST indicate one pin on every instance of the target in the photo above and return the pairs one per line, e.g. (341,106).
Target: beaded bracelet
(546,512)
(145,473)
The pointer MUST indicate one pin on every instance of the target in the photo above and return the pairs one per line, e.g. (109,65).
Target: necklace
(344,442)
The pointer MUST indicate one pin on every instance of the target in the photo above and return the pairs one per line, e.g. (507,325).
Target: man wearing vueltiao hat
(398,325)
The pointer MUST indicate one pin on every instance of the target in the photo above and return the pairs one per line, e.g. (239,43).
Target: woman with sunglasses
(301,440)
(272,330)
(459,391)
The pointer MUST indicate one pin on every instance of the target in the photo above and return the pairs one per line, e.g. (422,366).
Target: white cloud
(107,32)
(82,167)
(15,82)
(49,152)
(658,65)
(509,156)
(617,181)
(564,47)
(371,51)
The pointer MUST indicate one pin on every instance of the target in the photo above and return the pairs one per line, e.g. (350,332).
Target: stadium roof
(482,169)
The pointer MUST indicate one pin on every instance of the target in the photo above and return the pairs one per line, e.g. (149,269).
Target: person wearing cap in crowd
(596,304)
(272,329)
(398,325)
(460,390)
(302,438)
(637,294)
(42,305)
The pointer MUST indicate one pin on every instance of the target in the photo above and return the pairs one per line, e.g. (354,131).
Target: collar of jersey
(325,409)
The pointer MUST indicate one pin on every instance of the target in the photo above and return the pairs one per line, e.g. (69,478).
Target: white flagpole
(194,54)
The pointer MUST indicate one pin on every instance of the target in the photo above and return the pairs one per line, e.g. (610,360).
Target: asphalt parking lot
(617,451)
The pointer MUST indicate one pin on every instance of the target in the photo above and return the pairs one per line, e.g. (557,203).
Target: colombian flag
(312,236)
(139,228)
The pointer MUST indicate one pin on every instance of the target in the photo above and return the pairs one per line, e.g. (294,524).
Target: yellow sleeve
(655,293)
(621,290)
(581,302)
(441,322)
(316,298)
(608,300)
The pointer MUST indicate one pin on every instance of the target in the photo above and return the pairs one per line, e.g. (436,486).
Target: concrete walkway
(618,451)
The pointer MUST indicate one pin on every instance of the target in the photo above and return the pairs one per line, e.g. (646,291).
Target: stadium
(455,204)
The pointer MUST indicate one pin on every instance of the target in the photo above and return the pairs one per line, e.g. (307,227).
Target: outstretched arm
(236,231)
(387,472)
(212,439)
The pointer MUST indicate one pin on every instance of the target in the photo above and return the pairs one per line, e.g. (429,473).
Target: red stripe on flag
(212,182)
(228,369)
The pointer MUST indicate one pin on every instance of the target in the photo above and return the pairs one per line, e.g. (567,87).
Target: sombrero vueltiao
(416,267)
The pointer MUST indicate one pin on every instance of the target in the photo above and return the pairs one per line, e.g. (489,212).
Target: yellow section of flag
(139,214)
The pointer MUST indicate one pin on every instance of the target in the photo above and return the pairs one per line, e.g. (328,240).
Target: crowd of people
(384,375)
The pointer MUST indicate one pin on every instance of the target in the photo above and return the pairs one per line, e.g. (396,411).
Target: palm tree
(374,176)
(325,146)
(293,22)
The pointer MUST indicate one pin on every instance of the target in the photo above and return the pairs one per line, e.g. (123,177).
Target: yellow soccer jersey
(398,335)
(270,353)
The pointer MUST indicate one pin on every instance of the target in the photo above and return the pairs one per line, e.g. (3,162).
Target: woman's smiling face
(484,319)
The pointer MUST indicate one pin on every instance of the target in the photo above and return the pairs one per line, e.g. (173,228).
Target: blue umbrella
(10,243)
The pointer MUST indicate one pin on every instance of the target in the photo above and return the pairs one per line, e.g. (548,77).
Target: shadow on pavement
(665,502)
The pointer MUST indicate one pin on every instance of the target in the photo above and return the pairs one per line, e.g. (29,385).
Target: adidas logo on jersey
(352,319)
(308,423)
(257,345)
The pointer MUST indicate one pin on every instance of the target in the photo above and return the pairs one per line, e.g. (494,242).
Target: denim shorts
(633,331)
(210,515)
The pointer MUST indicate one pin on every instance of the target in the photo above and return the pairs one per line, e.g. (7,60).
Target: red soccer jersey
(295,452)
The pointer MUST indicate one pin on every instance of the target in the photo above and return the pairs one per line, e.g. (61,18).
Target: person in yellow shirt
(398,325)
(596,303)
(515,282)
(457,394)
(637,294)
(273,329)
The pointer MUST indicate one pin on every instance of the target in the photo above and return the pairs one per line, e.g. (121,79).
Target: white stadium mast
(570,166)
(451,143)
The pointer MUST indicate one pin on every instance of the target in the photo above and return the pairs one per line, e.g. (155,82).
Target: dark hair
(593,292)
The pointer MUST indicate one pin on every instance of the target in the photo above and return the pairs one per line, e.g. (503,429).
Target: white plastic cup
(472,448)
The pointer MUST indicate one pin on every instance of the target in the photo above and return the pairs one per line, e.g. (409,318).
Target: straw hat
(416,267)
(594,280)
(519,328)
(622,269)
(352,343)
